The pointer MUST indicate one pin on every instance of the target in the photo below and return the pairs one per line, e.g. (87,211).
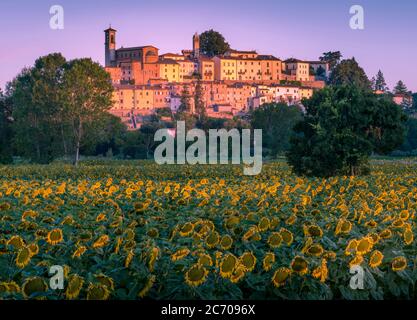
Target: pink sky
(302,29)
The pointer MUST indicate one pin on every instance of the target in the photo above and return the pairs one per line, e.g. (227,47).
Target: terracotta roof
(135,48)
(172,54)
(168,61)
(267,57)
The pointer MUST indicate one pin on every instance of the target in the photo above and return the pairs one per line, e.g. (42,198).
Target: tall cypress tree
(380,83)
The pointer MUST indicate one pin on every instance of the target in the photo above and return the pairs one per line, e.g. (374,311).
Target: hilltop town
(232,83)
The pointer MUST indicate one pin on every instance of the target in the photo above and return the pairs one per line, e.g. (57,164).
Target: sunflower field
(136,230)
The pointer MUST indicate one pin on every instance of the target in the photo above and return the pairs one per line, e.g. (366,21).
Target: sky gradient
(302,29)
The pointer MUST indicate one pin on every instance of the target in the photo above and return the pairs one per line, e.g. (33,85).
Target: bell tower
(110,47)
(196,45)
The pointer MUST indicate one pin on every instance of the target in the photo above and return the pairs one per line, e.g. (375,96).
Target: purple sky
(284,28)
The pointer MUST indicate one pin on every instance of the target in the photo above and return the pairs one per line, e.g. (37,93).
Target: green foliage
(5,130)
(276,122)
(348,72)
(380,83)
(87,94)
(401,88)
(332,58)
(164,112)
(185,105)
(410,143)
(200,108)
(59,108)
(342,127)
(212,43)
(38,110)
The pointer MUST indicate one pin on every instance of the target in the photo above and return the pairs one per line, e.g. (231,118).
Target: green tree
(348,72)
(342,127)
(276,121)
(200,109)
(148,130)
(185,105)
(332,58)
(380,83)
(40,134)
(104,136)
(410,143)
(87,94)
(6,134)
(212,43)
(401,88)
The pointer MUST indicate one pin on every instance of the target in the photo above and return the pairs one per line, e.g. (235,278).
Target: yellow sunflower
(101,242)
(263,224)
(148,286)
(299,265)
(16,241)
(75,284)
(180,254)
(79,252)
(399,263)
(357,261)
(186,229)
(226,242)
(34,285)
(23,257)
(212,239)
(364,245)
(321,272)
(205,260)
(55,236)
(385,234)
(376,259)
(97,292)
(315,250)
(196,275)
(280,276)
(351,247)
(313,231)
(228,265)
(248,261)
(268,261)
(129,258)
(408,236)
(105,280)
(275,239)
(287,236)
(33,248)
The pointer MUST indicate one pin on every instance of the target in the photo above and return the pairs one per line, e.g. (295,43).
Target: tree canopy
(401,88)
(54,103)
(348,72)
(332,58)
(5,130)
(342,127)
(380,83)
(212,43)
(276,121)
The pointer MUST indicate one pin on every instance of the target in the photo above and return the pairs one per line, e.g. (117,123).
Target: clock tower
(110,47)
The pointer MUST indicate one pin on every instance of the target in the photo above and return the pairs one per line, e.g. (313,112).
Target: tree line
(59,109)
